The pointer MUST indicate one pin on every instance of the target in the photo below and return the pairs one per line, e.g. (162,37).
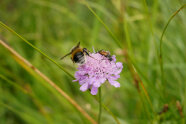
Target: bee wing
(65,56)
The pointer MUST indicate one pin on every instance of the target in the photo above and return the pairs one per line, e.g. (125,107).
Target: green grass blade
(25,116)
(37,49)
(106,27)
(161,42)
(9,29)
(36,101)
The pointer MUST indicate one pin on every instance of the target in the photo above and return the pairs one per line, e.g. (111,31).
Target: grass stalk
(108,110)
(60,9)
(25,116)
(29,92)
(106,27)
(161,42)
(132,68)
(50,82)
(53,61)
(34,47)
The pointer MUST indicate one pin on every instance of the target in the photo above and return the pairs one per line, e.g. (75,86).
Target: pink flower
(96,70)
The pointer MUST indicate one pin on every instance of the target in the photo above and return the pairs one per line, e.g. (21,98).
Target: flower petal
(84,87)
(114,83)
(119,65)
(94,90)
(97,83)
(114,58)
(96,70)
(102,80)
(91,81)
(114,77)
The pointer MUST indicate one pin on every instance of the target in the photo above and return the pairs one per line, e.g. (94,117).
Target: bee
(77,54)
(106,54)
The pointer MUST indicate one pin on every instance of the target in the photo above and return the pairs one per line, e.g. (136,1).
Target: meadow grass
(137,32)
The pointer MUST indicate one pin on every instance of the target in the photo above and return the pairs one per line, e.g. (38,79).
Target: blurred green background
(55,26)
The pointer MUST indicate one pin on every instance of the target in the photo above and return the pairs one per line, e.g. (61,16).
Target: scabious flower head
(96,70)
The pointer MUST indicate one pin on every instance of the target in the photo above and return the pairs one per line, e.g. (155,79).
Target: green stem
(161,41)
(36,101)
(106,27)
(100,107)
(11,30)
(34,47)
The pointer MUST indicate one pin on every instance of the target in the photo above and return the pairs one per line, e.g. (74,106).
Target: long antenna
(70,51)
(65,55)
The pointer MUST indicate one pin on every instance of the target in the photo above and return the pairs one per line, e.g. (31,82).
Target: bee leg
(86,51)
(100,50)
(72,60)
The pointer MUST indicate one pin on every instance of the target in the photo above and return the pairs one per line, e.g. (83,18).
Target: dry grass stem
(27,63)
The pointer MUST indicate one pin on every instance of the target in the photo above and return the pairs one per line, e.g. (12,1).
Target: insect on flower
(77,54)
(96,70)
(106,54)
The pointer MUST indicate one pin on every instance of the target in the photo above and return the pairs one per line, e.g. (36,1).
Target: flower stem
(100,107)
